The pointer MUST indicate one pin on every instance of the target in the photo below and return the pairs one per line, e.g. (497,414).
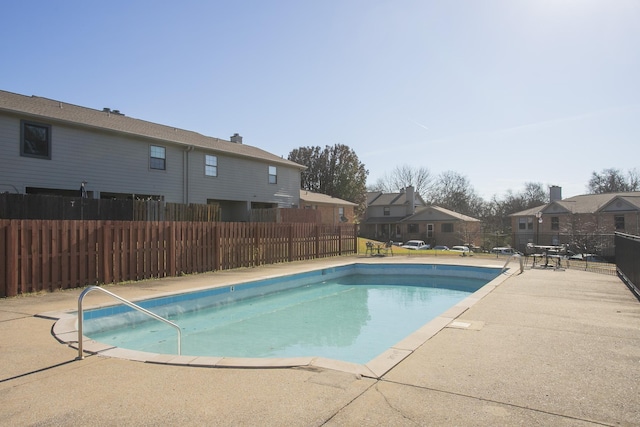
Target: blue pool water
(351,313)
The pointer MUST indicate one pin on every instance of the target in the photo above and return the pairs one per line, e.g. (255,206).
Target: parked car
(464,250)
(587,257)
(472,247)
(416,245)
(441,248)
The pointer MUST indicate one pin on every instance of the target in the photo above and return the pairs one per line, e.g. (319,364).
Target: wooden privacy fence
(40,206)
(44,255)
(285,215)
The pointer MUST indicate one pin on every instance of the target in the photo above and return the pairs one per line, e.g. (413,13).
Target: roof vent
(236,138)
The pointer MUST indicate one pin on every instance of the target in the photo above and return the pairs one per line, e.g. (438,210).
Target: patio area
(545,347)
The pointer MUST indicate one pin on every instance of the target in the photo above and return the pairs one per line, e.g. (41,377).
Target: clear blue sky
(502,91)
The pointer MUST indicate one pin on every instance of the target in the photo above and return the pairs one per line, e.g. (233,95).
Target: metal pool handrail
(126,302)
(514,256)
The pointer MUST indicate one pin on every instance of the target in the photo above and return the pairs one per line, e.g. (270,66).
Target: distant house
(587,221)
(332,210)
(51,147)
(405,216)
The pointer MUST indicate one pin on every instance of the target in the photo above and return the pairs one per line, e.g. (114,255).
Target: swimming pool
(348,313)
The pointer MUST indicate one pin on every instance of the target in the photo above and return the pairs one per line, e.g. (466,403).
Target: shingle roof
(384,199)
(378,198)
(35,107)
(312,197)
(426,214)
(586,203)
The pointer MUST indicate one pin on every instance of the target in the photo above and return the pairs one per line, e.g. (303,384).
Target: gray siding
(378,211)
(242,179)
(115,162)
(109,162)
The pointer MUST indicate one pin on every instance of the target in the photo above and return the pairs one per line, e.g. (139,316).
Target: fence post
(216,247)
(107,248)
(171,249)
(355,238)
(3,256)
(317,254)
(12,258)
(290,242)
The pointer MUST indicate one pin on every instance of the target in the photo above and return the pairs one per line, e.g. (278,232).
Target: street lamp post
(539,216)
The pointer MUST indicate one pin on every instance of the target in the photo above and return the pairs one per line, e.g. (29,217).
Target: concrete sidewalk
(543,348)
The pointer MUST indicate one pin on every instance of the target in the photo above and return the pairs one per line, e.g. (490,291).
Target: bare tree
(533,195)
(384,184)
(612,180)
(585,234)
(404,176)
(453,191)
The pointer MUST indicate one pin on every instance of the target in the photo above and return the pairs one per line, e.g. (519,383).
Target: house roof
(427,213)
(437,213)
(383,220)
(378,198)
(37,108)
(311,197)
(586,203)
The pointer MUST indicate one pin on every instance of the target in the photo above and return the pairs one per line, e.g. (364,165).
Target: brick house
(331,210)
(586,221)
(405,216)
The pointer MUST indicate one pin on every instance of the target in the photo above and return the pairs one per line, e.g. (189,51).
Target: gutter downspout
(185,174)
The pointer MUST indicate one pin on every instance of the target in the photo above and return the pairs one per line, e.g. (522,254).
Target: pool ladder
(126,302)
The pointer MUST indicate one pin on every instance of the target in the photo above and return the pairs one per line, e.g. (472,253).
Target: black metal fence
(601,244)
(628,261)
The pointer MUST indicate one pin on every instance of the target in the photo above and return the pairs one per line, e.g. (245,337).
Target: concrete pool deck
(543,348)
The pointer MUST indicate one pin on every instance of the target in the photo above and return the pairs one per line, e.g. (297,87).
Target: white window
(211,165)
(273,175)
(158,159)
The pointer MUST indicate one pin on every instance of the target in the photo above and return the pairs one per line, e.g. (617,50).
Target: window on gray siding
(35,140)
(273,175)
(447,228)
(386,211)
(158,158)
(211,165)
(412,228)
(555,223)
(619,222)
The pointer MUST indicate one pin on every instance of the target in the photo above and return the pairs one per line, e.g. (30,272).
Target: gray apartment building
(52,147)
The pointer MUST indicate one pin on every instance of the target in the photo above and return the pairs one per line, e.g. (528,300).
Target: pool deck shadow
(543,347)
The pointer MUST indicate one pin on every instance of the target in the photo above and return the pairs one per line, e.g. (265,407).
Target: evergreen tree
(335,171)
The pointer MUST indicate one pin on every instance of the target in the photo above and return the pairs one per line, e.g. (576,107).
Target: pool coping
(65,330)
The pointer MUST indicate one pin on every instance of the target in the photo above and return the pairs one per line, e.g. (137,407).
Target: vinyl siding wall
(394,211)
(242,179)
(109,162)
(112,162)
